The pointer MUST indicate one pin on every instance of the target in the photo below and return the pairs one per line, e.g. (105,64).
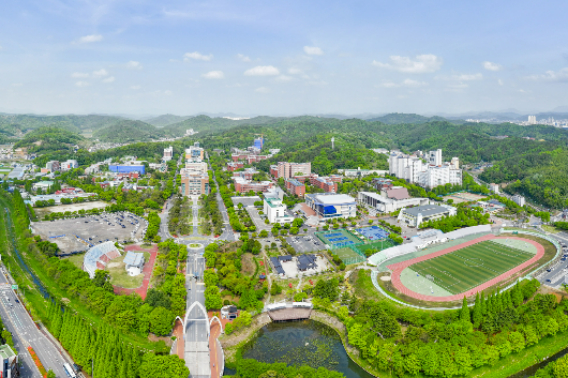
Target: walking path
(399,267)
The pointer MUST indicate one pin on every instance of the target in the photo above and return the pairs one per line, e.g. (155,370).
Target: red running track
(399,267)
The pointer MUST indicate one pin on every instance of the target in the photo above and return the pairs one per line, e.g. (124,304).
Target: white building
(331,205)
(414,216)
(276,212)
(69,164)
(168,153)
(134,263)
(494,188)
(532,120)
(386,204)
(430,175)
(519,200)
(196,166)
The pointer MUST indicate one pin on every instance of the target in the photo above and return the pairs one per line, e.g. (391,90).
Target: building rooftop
(426,210)
(6,352)
(133,258)
(398,192)
(334,199)
(273,202)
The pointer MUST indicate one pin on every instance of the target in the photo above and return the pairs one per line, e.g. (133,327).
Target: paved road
(196,337)
(558,272)
(25,333)
(24,330)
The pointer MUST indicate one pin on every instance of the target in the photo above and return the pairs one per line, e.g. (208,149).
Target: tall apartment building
(286,170)
(194,182)
(430,175)
(532,120)
(168,153)
(518,199)
(194,153)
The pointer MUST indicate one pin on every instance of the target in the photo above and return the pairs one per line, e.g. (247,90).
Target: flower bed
(38,363)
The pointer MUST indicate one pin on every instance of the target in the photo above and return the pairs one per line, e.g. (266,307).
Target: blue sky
(282,57)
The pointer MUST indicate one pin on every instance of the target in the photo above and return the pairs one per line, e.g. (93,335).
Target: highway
(24,330)
(25,333)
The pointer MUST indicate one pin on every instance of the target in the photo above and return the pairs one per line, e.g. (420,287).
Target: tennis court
(373,232)
(471,266)
(337,238)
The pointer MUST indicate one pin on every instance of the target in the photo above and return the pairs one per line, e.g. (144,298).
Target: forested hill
(165,120)
(50,140)
(74,123)
(398,118)
(129,131)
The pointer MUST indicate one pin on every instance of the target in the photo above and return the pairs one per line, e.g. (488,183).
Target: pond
(302,343)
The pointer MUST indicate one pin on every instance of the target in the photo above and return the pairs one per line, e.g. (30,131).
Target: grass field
(119,277)
(348,256)
(378,245)
(471,266)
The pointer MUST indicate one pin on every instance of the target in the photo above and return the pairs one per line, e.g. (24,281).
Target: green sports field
(471,266)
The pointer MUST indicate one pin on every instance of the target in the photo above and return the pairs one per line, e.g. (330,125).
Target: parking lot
(304,244)
(246,201)
(80,234)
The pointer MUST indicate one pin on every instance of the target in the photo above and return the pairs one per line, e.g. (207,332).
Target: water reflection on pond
(302,343)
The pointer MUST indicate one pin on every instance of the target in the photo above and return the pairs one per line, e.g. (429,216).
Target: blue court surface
(337,239)
(373,232)
(332,235)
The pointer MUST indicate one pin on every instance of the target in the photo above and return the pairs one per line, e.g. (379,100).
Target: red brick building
(233,166)
(295,187)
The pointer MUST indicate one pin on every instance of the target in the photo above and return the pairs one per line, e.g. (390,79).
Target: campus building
(168,153)
(127,168)
(276,211)
(243,185)
(258,143)
(428,175)
(248,157)
(134,263)
(286,170)
(381,183)
(194,153)
(414,216)
(391,201)
(324,183)
(246,174)
(194,183)
(232,166)
(330,205)
(295,187)
(196,166)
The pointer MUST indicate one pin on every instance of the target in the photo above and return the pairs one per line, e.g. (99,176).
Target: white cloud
(134,65)
(557,76)
(500,82)
(81,84)
(295,71)
(407,83)
(100,73)
(492,66)
(91,38)
(262,71)
(243,58)
(284,78)
(461,77)
(109,79)
(457,87)
(79,75)
(197,56)
(213,75)
(312,50)
(135,87)
(421,64)
(262,90)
